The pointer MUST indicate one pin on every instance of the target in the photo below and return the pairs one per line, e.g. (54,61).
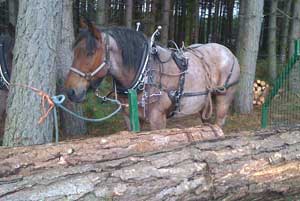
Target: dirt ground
(234,124)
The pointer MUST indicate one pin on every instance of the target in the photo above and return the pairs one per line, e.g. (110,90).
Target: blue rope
(58,101)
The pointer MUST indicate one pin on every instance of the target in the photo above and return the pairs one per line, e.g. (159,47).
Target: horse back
(216,60)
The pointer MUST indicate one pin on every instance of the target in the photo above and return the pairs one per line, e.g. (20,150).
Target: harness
(175,95)
(4,73)
(140,78)
(182,64)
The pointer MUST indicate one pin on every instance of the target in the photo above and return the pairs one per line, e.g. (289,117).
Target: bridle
(89,75)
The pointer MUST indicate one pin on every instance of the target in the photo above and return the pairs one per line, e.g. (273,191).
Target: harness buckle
(141,86)
(88,76)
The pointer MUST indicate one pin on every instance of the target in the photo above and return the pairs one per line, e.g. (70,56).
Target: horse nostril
(70,92)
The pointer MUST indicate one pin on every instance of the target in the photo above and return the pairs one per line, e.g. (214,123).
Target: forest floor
(234,123)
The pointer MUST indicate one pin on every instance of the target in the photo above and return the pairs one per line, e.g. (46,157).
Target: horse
(6,57)
(170,83)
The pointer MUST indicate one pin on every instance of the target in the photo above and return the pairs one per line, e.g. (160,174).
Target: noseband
(88,76)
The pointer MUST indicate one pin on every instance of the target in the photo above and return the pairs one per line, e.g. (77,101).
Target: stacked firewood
(260,92)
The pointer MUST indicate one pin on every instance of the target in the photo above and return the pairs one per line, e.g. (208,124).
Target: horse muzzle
(77,96)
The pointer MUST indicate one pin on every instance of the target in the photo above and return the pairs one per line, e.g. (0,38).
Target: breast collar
(140,77)
(4,74)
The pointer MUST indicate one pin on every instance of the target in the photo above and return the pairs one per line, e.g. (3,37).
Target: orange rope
(45,98)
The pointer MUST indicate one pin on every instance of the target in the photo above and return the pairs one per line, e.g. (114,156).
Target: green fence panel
(282,105)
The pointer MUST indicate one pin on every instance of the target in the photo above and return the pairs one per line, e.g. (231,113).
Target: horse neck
(121,74)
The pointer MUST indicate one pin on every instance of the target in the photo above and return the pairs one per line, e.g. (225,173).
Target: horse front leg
(157,119)
(126,117)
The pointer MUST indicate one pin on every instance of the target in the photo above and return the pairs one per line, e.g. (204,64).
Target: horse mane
(131,43)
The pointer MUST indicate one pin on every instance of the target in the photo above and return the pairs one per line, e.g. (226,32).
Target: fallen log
(159,165)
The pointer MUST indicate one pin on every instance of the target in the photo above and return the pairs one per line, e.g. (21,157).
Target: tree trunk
(153,15)
(209,18)
(129,6)
(247,50)
(69,124)
(294,81)
(272,41)
(101,13)
(172,21)
(285,31)
(76,15)
(37,36)
(13,11)
(160,165)
(165,21)
(216,22)
(242,13)
(197,22)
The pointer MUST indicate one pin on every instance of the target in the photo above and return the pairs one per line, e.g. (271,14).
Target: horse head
(89,66)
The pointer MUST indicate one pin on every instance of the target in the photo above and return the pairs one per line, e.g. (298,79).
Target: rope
(208,108)
(57,101)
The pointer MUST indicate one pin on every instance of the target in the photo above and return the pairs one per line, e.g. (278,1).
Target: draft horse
(170,83)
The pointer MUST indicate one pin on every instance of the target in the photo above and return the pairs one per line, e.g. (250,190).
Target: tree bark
(129,7)
(285,31)
(216,22)
(153,14)
(209,19)
(69,124)
(101,13)
(172,21)
(247,50)
(165,21)
(38,28)
(272,41)
(294,80)
(160,165)
(197,21)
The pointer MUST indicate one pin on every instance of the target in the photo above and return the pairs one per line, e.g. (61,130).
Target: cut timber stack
(260,92)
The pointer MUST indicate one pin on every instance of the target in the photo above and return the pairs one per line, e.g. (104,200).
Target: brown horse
(169,83)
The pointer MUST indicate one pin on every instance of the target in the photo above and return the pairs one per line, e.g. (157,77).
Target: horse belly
(190,105)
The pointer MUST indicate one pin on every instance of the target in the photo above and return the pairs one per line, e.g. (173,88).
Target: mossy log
(178,164)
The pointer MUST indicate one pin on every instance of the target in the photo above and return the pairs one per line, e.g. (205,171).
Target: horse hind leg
(223,103)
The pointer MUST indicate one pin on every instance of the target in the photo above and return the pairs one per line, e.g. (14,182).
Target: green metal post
(264,117)
(134,111)
(297,48)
